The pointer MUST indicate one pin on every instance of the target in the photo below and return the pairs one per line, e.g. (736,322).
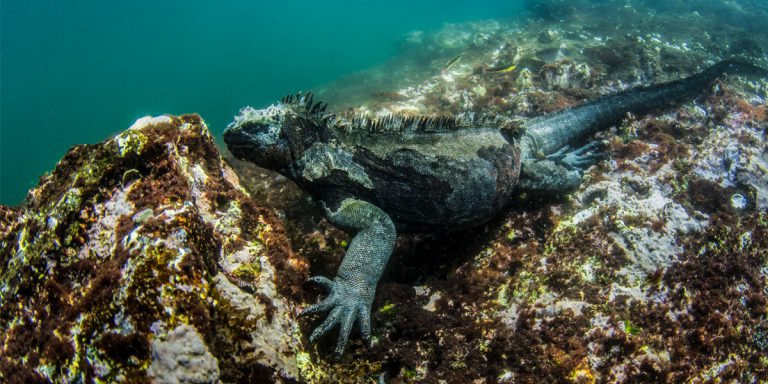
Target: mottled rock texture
(143,258)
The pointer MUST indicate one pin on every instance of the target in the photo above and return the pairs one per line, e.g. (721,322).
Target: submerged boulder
(141,258)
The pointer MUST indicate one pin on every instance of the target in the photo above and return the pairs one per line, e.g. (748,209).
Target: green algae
(502,297)
(408,373)
(631,328)
(308,371)
(389,309)
(130,142)
(528,287)
(143,216)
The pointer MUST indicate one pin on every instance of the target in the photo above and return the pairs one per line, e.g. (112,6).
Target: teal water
(79,72)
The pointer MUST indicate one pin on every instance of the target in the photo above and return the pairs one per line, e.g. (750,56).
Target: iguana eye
(264,134)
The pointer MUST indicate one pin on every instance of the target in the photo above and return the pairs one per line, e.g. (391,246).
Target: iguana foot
(580,158)
(346,302)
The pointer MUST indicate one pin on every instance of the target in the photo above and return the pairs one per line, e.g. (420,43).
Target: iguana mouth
(237,139)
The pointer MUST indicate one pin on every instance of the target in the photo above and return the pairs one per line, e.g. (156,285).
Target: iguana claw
(346,304)
(580,158)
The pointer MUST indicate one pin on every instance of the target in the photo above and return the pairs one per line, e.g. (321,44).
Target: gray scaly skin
(374,177)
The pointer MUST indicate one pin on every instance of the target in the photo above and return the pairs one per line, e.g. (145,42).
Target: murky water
(78,72)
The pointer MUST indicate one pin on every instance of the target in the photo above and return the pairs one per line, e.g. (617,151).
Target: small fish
(501,69)
(450,63)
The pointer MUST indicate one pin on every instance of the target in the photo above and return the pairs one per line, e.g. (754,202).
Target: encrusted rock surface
(147,257)
(143,257)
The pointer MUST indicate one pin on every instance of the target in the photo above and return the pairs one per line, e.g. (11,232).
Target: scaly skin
(374,177)
(352,291)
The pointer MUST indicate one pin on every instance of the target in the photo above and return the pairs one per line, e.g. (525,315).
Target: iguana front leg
(353,289)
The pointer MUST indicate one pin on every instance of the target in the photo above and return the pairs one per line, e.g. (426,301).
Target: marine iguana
(375,177)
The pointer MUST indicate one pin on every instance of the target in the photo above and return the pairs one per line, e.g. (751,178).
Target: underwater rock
(524,79)
(618,54)
(146,250)
(143,256)
(566,74)
(734,165)
(554,54)
(182,357)
(547,36)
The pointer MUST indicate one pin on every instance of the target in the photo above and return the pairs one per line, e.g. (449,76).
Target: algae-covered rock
(143,258)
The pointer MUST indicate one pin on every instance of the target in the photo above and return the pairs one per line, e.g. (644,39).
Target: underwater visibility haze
(77,72)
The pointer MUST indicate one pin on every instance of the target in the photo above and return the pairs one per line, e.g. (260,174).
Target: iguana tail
(552,132)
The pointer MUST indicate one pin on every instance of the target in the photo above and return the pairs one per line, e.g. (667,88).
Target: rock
(566,74)
(524,79)
(618,54)
(547,36)
(143,256)
(182,357)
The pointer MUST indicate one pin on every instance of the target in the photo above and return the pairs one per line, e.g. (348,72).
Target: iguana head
(255,135)
(277,136)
